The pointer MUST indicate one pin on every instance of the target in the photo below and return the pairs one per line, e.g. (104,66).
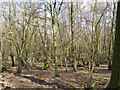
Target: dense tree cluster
(58,34)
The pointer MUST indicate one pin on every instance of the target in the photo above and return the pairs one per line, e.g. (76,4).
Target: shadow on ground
(42,82)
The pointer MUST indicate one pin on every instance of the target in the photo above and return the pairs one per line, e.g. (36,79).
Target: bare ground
(37,78)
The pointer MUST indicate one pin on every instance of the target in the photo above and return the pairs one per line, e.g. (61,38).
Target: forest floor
(37,78)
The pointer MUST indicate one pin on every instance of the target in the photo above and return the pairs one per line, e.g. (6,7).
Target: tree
(111,39)
(72,38)
(97,36)
(46,65)
(55,31)
(115,76)
(1,53)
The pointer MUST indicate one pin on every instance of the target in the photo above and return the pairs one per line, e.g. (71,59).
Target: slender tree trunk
(92,42)
(19,70)
(54,39)
(104,47)
(12,57)
(94,53)
(72,39)
(61,37)
(46,65)
(1,63)
(111,40)
(10,35)
(22,62)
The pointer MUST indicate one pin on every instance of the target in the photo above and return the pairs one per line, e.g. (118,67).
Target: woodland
(59,44)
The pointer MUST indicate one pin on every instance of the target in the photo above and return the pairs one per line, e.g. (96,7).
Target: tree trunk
(115,76)
(54,39)
(82,60)
(12,57)
(111,40)
(19,69)
(72,39)
(46,65)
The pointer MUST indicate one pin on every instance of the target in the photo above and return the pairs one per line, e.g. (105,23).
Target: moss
(103,83)
(72,86)
(74,71)
(94,71)
(46,67)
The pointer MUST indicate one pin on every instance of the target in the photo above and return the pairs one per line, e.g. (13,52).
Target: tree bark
(115,76)
(72,39)
(111,40)
(46,65)
(12,57)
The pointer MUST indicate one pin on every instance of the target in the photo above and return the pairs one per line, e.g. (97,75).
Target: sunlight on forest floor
(46,79)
